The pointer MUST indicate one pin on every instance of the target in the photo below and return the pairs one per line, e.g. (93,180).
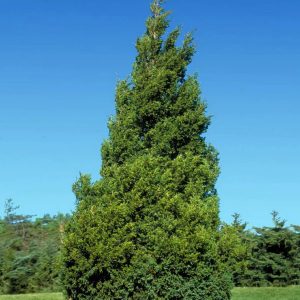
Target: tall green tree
(149,228)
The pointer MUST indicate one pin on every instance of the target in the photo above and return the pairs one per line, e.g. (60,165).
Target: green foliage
(234,248)
(275,255)
(29,252)
(149,229)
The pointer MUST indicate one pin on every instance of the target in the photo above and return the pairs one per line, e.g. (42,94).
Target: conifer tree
(29,252)
(148,229)
(275,257)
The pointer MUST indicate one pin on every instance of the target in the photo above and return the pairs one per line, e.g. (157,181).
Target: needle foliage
(149,228)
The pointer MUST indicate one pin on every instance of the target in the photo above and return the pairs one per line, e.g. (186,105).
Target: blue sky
(59,63)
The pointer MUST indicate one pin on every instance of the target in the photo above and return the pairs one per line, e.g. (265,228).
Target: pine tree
(29,252)
(148,229)
(275,258)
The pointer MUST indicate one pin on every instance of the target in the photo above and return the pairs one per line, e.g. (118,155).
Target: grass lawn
(269,293)
(44,296)
(289,293)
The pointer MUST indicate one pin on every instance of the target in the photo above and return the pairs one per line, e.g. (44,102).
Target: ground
(289,293)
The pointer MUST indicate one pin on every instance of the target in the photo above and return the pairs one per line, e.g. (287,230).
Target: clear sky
(59,63)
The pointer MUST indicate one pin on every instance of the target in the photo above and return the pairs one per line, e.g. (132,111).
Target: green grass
(44,296)
(268,293)
(288,293)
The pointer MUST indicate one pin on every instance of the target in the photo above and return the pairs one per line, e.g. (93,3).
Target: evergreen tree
(275,256)
(235,244)
(149,228)
(29,252)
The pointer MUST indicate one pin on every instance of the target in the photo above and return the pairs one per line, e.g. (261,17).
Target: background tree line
(30,252)
(272,256)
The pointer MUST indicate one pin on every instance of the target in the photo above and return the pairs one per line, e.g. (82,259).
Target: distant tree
(149,229)
(29,252)
(235,241)
(238,224)
(14,240)
(275,257)
(18,223)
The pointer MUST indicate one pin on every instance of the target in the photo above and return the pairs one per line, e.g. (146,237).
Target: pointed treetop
(157,23)
(156,7)
(278,222)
